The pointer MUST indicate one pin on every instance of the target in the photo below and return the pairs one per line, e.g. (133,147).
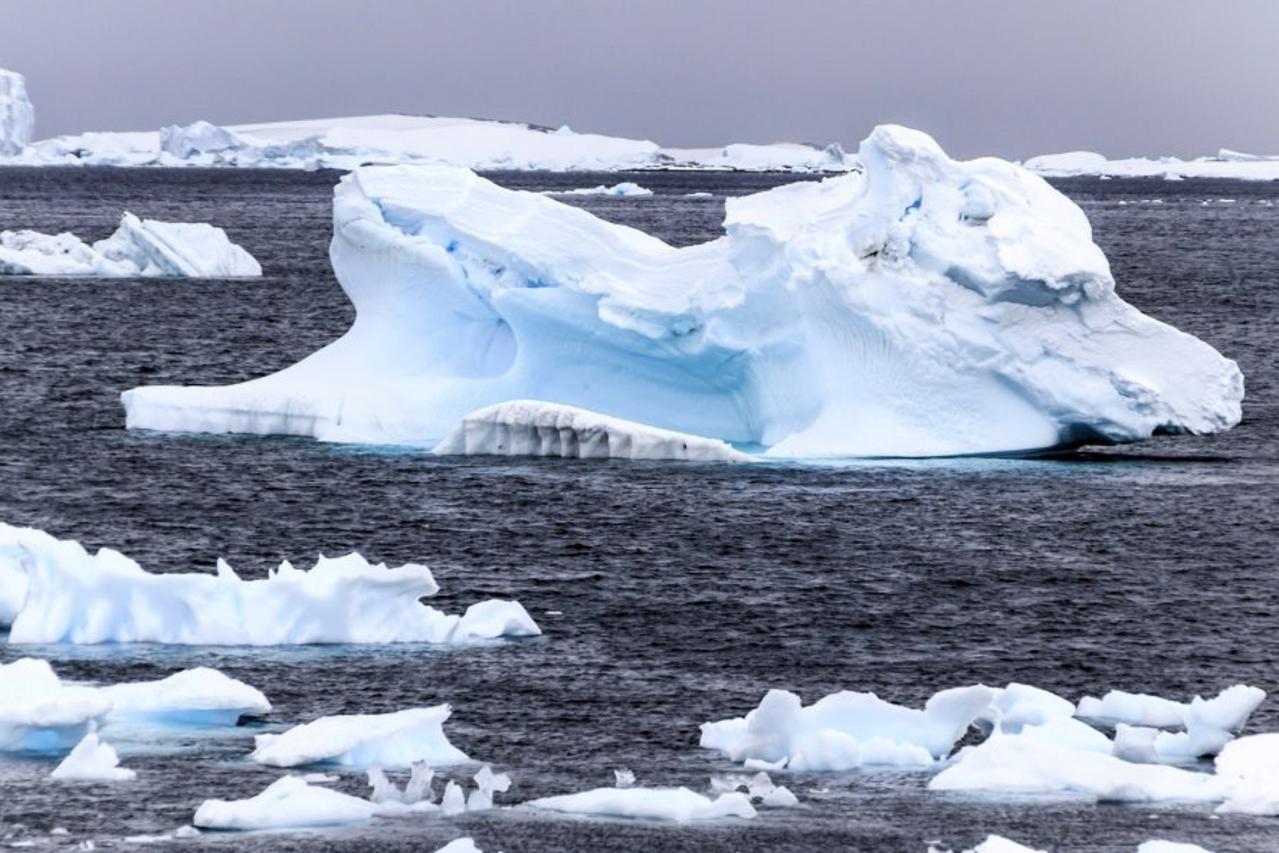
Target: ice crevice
(923,307)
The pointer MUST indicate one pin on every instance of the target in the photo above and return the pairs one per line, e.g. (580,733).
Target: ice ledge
(535,428)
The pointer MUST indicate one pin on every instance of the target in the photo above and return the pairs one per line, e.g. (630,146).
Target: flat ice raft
(923,307)
(54,591)
(138,248)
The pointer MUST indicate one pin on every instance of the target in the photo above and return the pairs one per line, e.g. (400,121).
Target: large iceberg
(17,117)
(139,247)
(926,307)
(73,596)
(396,739)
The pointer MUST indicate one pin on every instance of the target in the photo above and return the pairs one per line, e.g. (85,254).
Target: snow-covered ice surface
(73,596)
(678,804)
(925,308)
(200,696)
(344,143)
(139,247)
(396,739)
(1226,164)
(17,117)
(535,428)
(38,713)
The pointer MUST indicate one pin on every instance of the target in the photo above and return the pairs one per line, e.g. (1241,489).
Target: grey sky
(984,76)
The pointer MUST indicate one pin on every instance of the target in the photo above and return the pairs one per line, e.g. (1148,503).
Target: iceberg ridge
(76,597)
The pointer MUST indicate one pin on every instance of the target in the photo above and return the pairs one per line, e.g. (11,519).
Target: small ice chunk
(38,713)
(487,783)
(288,802)
(1157,846)
(679,804)
(999,844)
(418,788)
(92,760)
(454,801)
(384,791)
(620,190)
(780,797)
(186,831)
(623,777)
(460,845)
(363,740)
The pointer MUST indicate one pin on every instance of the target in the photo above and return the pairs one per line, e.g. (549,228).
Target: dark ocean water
(686,591)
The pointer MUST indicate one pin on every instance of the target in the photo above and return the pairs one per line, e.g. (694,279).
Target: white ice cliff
(17,118)
(344,143)
(73,596)
(139,247)
(924,307)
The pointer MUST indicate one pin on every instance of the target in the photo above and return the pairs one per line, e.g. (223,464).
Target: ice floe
(287,803)
(200,696)
(17,117)
(138,248)
(1160,846)
(678,804)
(925,307)
(38,713)
(76,597)
(41,713)
(534,428)
(624,189)
(1209,724)
(396,739)
(846,730)
(1226,164)
(92,760)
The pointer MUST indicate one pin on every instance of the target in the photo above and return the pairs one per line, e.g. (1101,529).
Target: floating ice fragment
(846,729)
(487,783)
(460,845)
(92,760)
(678,804)
(289,802)
(1157,846)
(623,777)
(38,713)
(200,696)
(75,597)
(138,248)
(624,189)
(1209,723)
(454,801)
(397,739)
(17,117)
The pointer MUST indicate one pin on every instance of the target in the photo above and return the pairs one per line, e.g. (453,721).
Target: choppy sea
(669,594)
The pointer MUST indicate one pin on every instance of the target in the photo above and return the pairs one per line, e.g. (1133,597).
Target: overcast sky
(1009,77)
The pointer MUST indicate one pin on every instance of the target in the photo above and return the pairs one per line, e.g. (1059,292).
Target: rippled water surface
(683,591)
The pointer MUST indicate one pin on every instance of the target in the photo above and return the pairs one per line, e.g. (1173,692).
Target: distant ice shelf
(60,593)
(923,307)
(1226,164)
(138,248)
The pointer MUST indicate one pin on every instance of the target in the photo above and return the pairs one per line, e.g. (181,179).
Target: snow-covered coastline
(1227,164)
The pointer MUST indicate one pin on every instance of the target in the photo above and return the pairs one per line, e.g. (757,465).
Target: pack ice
(54,591)
(139,247)
(17,117)
(923,307)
